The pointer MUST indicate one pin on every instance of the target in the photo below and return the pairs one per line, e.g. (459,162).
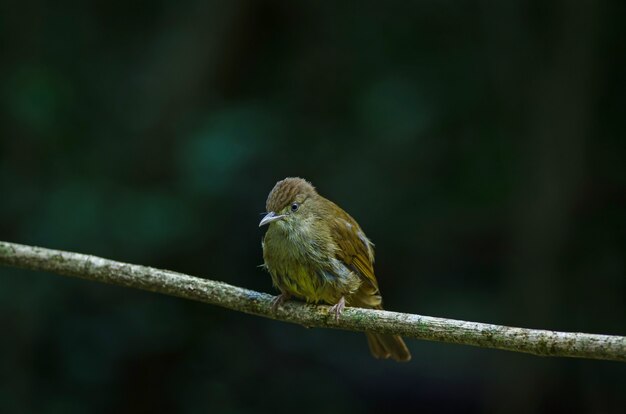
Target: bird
(316,252)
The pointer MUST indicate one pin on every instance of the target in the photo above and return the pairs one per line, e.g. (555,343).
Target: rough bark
(532,341)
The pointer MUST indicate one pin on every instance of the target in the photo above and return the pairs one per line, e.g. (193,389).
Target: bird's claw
(279,300)
(338,308)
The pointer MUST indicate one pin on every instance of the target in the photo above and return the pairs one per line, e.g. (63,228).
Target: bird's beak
(270,217)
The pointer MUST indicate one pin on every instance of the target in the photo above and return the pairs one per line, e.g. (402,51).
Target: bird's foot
(279,300)
(338,308)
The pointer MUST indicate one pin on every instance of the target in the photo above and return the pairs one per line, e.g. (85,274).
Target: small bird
(317,252)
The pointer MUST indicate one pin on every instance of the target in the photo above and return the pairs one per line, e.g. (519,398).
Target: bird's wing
(355,250)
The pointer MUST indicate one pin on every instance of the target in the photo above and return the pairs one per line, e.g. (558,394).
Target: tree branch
(532,341)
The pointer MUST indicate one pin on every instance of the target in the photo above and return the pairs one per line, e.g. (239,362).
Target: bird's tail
(381,346)
(388,346)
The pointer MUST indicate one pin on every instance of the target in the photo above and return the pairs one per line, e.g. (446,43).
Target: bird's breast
(303,267)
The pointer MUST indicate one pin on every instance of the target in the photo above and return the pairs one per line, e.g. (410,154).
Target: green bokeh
(480,146)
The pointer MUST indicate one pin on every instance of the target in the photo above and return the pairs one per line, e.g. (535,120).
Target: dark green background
(480,144)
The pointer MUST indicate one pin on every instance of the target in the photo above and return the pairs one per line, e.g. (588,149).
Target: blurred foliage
(479,144)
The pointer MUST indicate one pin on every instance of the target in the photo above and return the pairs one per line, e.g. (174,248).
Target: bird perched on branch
(316,252)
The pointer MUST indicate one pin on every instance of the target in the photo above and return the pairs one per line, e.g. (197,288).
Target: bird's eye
(295,207)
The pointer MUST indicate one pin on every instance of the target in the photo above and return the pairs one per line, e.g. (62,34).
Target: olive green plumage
(317,252)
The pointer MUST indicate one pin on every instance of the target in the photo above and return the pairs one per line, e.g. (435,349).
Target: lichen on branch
(532,341)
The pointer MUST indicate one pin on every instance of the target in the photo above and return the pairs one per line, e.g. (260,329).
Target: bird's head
(289,203)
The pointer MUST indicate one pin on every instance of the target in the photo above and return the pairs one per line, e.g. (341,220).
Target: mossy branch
(532,341)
